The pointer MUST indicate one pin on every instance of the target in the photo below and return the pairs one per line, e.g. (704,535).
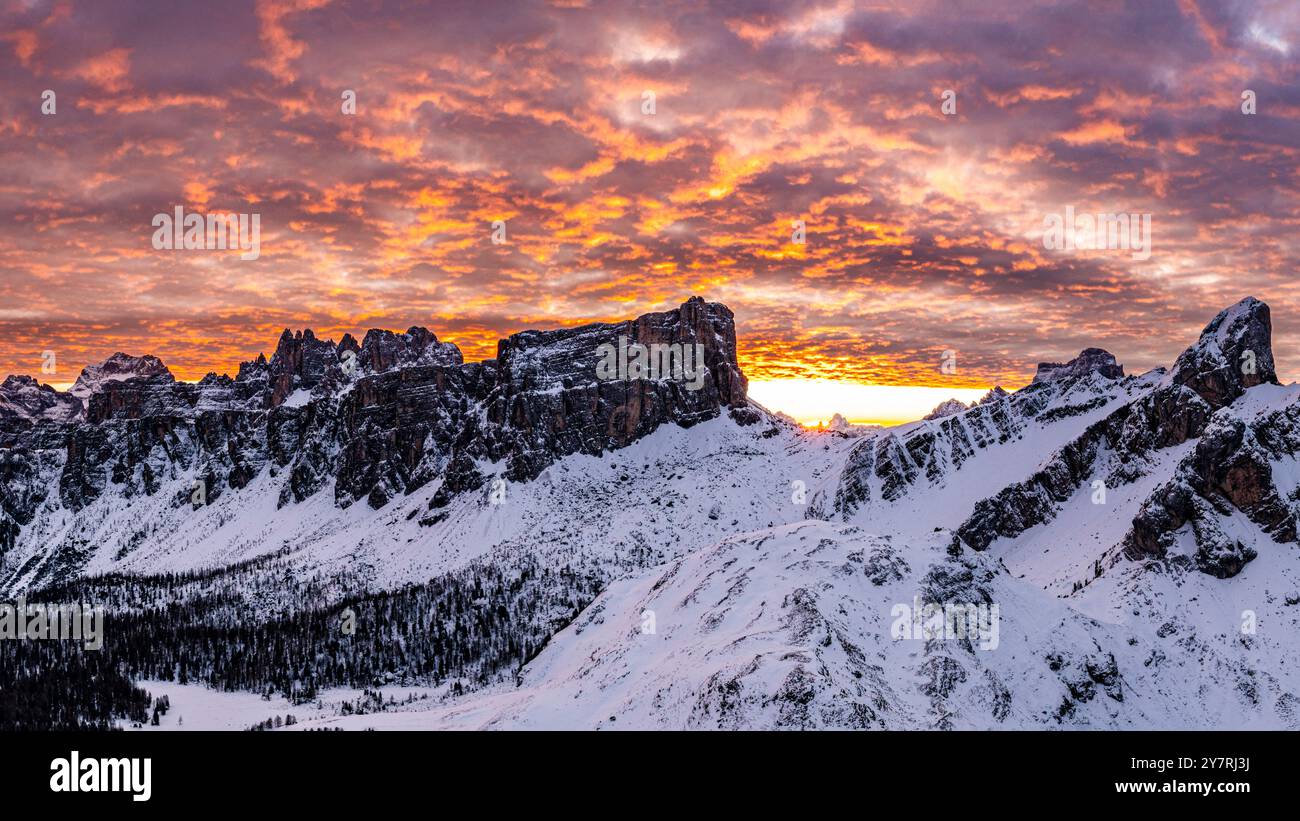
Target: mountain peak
(383,350)
(1088,360)
(1234,352)
(22,397)
(118,367)
(995,394)
(946,408)
(19,381)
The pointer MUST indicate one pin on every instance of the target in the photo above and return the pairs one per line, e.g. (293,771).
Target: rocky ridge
(889,465)
(1228,469)
(373,420)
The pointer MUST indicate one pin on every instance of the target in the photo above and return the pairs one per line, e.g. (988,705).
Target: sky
(868,186)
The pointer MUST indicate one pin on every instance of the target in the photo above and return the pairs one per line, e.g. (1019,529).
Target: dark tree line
(252,627)
(53,685)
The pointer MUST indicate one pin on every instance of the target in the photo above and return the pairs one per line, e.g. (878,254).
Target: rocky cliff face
(375,420)
(545,400)
(1230,469)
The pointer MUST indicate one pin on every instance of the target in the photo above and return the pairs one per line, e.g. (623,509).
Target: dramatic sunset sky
(923,229)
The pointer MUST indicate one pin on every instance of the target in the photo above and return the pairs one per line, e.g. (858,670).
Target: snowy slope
(790,628)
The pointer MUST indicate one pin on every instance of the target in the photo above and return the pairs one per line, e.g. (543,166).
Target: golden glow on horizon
(813,401)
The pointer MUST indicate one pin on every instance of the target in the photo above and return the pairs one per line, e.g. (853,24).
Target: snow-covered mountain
(631,553)
(946,408)
(23,398)
(116,368)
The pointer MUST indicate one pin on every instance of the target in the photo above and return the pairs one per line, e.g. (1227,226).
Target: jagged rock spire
(1235,352)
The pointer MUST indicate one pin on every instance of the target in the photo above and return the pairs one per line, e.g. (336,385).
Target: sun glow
(814,401)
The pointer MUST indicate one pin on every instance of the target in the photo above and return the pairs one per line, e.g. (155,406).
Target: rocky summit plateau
(526,545)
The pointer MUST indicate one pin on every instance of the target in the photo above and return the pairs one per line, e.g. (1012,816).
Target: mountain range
(537,547)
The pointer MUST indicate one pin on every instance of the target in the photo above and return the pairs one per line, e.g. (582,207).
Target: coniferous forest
(244,628)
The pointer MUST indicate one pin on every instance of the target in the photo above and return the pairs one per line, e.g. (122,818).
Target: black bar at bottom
(193,770)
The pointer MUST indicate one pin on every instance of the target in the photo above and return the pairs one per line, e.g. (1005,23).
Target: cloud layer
(639,154)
